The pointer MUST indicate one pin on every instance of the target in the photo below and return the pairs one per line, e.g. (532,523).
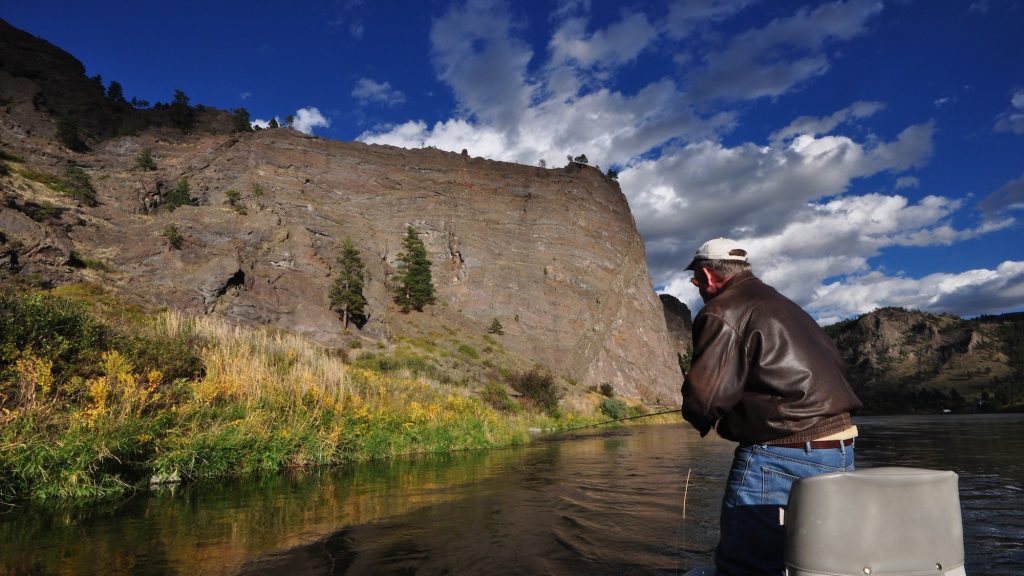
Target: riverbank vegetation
(96,403)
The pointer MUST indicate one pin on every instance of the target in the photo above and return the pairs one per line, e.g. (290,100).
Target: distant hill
(903,361)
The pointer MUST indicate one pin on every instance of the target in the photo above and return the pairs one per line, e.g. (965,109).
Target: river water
(600,502)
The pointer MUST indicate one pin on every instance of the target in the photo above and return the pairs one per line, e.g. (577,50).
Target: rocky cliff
(553,254)
(904,360)
(679,321)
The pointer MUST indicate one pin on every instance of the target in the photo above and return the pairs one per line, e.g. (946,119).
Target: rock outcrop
(553,254)
(679,321)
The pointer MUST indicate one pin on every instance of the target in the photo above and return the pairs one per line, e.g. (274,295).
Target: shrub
(173,236)
(78,261)
(144,161)
(179,196)
(51,328)
(684,362)
(41,212)
(76,183)
(494,394)
(539,386)
(415,365)
(496,327)
(67,133)
(614,408)
(63,333)
(233,198)
(607,390)
(469,351)
(175,355)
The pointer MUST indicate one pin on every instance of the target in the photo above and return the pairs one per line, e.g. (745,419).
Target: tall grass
(103,423)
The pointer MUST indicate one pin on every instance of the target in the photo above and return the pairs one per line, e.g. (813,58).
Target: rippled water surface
(604,502)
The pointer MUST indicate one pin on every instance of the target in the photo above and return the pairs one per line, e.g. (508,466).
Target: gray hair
(725,268)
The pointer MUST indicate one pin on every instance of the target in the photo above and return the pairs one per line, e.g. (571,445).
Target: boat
(887,521)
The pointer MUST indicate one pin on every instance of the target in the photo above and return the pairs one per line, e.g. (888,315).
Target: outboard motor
(875,522)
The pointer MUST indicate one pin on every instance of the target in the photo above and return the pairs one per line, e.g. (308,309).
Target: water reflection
(605,502)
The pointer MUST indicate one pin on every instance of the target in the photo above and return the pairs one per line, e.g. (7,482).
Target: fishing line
(611,422)
(686,490)
(682,524)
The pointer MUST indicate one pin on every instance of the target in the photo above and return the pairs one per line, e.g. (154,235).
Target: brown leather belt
(817,444)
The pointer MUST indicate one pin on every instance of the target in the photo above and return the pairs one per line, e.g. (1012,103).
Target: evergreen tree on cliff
(347,293)
(240,120)
(415,288)
(181,114)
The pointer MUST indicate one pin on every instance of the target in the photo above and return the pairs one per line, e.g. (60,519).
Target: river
(599,502)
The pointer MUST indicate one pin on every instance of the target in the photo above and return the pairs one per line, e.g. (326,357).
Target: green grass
(95,400)
(74,183)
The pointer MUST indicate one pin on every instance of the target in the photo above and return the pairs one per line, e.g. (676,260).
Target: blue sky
(870,153)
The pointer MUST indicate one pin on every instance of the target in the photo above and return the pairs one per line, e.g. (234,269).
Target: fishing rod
(611,422)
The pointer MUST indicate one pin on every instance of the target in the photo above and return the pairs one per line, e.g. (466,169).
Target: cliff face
(679,321)
(553,254)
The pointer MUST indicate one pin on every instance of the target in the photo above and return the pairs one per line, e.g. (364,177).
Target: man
(763,374)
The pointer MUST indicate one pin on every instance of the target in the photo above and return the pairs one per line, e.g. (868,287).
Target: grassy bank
(93,409)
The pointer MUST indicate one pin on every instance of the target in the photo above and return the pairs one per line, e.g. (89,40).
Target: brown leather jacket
(763,371)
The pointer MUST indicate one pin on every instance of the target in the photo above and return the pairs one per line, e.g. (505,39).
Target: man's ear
(715,280)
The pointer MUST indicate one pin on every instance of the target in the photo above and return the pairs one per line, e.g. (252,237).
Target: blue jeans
(752,535)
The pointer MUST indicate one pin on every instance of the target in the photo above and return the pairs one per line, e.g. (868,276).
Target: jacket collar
(738,279)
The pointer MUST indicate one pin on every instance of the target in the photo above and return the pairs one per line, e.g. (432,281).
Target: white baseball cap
(718,249)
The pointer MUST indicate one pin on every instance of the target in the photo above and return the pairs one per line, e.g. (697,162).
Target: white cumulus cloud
(1012,120)
(308,118)
(369,91)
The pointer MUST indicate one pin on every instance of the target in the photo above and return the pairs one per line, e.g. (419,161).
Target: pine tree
(115,92)
(181,114)
(76,183)
(179,196)
(240,120)
(144,161)
(67,133)
(347,293)
(415,288)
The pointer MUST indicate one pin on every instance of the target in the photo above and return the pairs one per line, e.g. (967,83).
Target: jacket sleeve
(718,370)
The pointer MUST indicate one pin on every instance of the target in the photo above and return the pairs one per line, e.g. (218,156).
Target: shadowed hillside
(905,361)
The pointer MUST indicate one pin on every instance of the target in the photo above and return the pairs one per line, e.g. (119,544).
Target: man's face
(700,280)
